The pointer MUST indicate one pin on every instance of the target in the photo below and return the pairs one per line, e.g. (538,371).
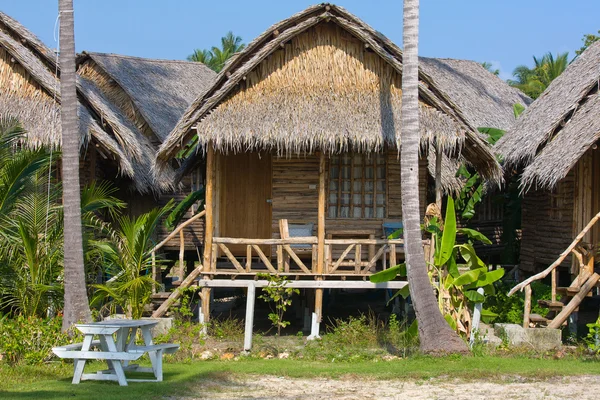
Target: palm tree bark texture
(436,336)
(76,307)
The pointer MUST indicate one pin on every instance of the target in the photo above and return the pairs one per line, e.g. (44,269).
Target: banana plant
(456,272)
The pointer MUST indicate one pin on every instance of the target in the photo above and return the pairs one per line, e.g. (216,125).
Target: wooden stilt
(209,194)
(205,294)
(320,236)
(209,227)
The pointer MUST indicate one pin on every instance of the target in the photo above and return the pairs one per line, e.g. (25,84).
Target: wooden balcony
(298,256)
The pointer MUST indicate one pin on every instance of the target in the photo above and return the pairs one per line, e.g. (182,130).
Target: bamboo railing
(176,231)
(291,255)
(586,269)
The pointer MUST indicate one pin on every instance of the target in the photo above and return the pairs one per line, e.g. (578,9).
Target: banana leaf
(448,236)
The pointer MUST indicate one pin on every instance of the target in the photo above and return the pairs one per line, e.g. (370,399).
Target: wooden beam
(160,311)
(177,230)
(209,201)
(321,216)
(304,284)
(574,303)
(438,174)
(527,309)
(321,233)
(556,263)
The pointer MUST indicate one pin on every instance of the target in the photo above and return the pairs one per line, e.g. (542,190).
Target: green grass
(54,381)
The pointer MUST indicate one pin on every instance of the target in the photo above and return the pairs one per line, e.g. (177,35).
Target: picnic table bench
(117,353)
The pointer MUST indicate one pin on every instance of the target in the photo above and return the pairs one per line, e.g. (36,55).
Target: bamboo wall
(295,194)
(552,219)
(547,224)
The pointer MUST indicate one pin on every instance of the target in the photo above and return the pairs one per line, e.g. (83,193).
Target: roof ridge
(146,59)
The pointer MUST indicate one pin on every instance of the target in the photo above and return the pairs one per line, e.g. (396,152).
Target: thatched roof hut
(555,142)
(29,91)
(141,100)
(159,90)
(127,104)
(334,109)
(559,127)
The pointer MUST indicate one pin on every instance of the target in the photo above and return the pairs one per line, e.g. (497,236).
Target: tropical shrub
(30,339)
(129,262)
(456,273)
(280,295)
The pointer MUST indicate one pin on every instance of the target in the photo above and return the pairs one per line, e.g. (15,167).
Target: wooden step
(570,291)
(575,301)
(538,319)
(161,295)
(552,305)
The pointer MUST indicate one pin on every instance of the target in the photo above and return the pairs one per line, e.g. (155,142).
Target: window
(357,185)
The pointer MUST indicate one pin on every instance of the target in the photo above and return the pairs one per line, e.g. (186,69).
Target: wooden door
(245,198)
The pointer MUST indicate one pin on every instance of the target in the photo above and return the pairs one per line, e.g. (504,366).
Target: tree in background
(489,67)
(587,41)
(533,81)
(436,336)
(76,301)
(215,58)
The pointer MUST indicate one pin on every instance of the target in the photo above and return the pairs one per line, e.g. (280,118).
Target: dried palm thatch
(479,96)
(325,80)
(108,115)
(559,127)
(160,90)
(29,92)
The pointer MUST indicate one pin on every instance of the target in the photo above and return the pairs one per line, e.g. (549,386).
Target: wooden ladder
(573,295)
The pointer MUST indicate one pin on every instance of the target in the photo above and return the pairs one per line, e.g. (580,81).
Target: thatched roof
(347,95)
(559,127)
(479,96)
(36,103)
(160,89)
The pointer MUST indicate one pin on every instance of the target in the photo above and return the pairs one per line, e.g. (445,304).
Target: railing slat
(560,259)
(342,258)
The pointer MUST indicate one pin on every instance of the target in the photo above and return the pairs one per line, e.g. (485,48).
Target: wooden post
(181,272)
(320,235)
(527,310)
(209,218)
(438,174)
(250,299)
(208,226)
(154,273)
(554,285)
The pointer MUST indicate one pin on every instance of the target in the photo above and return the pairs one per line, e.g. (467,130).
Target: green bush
(510,309)
(360,339)
(30,340)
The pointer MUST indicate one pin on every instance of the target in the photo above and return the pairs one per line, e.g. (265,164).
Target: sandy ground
(261,387)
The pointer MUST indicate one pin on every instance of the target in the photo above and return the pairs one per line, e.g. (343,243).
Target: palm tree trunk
(435,334)
(76,302)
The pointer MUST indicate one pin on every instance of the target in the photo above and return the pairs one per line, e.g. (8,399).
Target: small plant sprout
(278,293)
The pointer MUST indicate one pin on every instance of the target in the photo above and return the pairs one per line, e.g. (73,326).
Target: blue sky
(504,32)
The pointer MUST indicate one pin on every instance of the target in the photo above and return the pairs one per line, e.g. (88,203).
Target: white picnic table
(116,344)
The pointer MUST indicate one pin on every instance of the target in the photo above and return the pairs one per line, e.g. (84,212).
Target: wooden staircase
(571,296)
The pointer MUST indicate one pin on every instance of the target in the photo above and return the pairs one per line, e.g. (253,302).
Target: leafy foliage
(510,309)
(587,40)
(457,272)
(533,81)
(179,211)
(129,261)
(216,57)
(280,294)
(29,340)
(489,67)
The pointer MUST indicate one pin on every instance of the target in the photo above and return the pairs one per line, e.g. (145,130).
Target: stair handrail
(177,230)
(560,259)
